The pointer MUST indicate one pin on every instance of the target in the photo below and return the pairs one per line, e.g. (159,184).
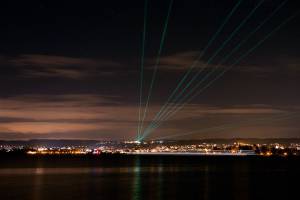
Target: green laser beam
(142,65)
(199,57)
(156,63)
(237,61)
(236,48)
(217,52)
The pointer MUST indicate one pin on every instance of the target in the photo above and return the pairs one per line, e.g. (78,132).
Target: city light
(164,148)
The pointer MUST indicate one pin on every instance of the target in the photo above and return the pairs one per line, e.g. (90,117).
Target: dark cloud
(183,61)
(39,66)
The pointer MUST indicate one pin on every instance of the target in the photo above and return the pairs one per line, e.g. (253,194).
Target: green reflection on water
(157,181)
(136,191)
(160,182)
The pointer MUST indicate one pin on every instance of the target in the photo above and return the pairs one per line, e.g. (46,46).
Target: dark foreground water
(149,177)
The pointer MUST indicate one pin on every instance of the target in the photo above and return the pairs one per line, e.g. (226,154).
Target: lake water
(149,177)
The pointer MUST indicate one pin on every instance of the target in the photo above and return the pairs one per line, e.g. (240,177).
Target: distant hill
(244,140)
(90,143)
(49,142)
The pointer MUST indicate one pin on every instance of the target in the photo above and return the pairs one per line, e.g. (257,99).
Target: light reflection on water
(137,169)
(38,183)
(136,188)
(157,180)
(141,179)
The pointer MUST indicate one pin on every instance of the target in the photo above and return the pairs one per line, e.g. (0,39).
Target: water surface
(148,177)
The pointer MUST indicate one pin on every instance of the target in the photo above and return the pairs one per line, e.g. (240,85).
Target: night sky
(71,70)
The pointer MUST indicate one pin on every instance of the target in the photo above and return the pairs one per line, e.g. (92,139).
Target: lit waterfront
(163,148)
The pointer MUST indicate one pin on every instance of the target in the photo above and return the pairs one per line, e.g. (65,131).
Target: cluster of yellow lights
(57,152)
